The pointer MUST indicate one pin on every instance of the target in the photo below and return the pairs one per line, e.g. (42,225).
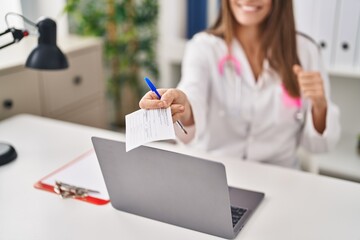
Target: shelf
(344,72)
(343,162)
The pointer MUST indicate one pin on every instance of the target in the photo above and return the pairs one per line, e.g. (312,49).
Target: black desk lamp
(46,56)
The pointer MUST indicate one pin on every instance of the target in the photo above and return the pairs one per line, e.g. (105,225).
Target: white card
(145,126)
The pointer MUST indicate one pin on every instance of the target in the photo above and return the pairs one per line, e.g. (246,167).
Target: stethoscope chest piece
(299,115)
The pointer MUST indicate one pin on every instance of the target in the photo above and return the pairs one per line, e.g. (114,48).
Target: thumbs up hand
(311,86)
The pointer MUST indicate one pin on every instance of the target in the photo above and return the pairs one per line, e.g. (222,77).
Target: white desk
(297,205)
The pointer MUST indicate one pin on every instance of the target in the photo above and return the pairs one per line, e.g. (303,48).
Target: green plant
(128,28)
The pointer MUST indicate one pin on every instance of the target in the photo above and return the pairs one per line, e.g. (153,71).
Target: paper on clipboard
(82,172)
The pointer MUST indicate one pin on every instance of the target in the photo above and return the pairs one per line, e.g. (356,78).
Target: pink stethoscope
(288,100)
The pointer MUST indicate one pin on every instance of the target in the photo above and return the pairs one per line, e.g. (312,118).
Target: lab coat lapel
(246,71)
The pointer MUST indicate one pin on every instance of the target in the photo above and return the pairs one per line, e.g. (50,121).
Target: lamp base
(7,153)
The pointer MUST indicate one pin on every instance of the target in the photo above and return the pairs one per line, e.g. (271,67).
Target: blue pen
(153,88)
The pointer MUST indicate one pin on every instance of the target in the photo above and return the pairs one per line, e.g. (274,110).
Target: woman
(252,87)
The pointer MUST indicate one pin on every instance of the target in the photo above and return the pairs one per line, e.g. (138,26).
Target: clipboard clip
(69,191)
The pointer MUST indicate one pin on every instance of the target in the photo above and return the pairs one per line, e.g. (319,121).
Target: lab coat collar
(265,77)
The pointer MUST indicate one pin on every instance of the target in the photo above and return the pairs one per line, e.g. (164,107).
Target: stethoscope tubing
(288,100)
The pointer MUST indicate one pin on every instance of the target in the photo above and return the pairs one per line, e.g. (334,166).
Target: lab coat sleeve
(312,140)
(195,84)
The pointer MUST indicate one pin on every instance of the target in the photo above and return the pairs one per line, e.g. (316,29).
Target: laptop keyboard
(237,214)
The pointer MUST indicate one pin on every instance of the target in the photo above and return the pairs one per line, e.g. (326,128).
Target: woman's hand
(173,98)
(312,87)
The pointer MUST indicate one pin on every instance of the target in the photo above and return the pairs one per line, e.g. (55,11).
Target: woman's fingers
(311,85)
(173,98)
(177,111)
(168,97)
(297,69)
(150,101)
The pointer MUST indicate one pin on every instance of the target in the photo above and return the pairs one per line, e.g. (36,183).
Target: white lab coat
(247,119)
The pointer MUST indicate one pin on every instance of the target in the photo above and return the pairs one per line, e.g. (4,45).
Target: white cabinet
(76,94)
(344,161)
(19,93)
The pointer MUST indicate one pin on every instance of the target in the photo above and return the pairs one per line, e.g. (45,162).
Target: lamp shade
(47,56)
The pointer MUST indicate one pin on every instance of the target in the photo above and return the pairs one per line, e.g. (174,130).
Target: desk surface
(297,205)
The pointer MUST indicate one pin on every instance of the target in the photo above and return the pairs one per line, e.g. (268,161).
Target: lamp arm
(6,31)
(17,35)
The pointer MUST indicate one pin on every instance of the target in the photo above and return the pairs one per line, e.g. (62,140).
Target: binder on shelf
(324,28)
(304,16)
(196,17)
(349,17)
(357,60)
(79,179)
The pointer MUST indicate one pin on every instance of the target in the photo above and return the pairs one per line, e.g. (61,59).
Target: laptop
(174,188)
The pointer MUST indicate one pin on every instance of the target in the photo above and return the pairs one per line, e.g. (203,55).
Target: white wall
(171,40)
(172,37)
(345,92)
(34,9)
(172,19)
(10,6)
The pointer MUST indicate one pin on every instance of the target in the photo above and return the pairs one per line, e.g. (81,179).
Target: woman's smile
(248,8)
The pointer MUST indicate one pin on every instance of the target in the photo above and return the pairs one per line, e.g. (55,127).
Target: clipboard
(84,173)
